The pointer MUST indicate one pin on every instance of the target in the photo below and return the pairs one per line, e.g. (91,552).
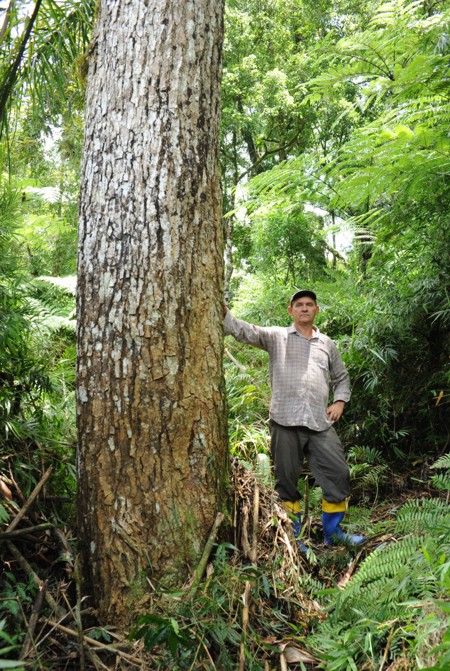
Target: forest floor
(259,577)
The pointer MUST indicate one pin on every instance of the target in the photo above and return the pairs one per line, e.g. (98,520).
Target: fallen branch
(78,618)
(77,621)
(349,572)
(37,607)
(60,612)
(287,542)
(254,549)
(245,618)
(387,647)
(66,555)
(244,531)
(199,571)
(23,511)
(8,535)
(95,644)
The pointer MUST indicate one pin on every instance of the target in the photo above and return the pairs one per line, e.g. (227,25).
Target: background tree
(152,427)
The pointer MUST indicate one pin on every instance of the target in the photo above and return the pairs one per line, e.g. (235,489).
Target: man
(303,363)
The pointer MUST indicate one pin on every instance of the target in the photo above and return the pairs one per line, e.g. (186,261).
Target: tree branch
(36,579)
(7,85)
(22,512)
(9,535)
(96,644)
(37,607)
(7,19)
(206,552)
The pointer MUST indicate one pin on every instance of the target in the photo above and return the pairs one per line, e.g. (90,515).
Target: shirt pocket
(320,357)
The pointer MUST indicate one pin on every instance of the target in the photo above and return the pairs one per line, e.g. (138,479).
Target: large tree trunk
(151,408)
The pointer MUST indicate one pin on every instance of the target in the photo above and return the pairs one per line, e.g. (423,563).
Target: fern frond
(310,585)
(388,578)
(442,462)
(383,564)
(366,476)
(441,481)
(45,318)
(67,284)
(422,516)
(363,454)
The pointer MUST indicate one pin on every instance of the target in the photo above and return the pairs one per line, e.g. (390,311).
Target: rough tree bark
(152,454)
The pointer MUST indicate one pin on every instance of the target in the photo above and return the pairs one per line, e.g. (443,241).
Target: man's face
(303,311)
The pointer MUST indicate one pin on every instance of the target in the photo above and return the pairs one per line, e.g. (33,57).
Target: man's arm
(340,384)
(258,336)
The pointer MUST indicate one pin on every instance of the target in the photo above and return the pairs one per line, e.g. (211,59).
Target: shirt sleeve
(340,381)
(258,336)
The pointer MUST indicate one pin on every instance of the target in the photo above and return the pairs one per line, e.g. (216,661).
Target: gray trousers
(323,450)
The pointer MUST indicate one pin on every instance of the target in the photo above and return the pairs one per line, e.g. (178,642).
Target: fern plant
(392,602)
(368,468)
(442,480)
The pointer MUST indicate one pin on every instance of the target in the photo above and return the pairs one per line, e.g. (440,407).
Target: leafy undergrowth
(262,605)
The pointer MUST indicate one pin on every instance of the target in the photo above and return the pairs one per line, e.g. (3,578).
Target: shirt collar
(317,333)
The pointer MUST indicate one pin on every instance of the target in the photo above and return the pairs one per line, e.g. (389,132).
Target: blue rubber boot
(296,521)
(332,532)
(293,510)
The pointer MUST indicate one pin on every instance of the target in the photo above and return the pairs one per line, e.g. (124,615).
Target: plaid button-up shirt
(301,371)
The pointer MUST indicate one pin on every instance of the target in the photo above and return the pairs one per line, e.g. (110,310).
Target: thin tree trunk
(6,19)
(8,82)
(229,221)
(151,408)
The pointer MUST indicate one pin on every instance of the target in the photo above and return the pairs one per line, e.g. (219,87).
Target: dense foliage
(375,167)
(390,613)
(335,163)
